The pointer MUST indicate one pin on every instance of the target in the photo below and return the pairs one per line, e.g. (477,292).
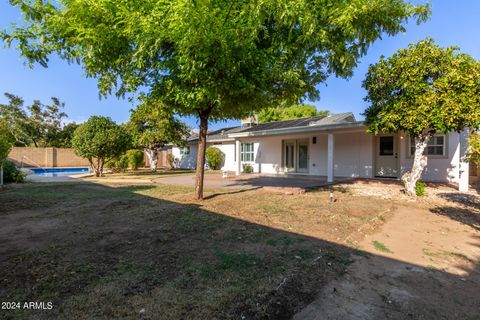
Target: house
(332,146)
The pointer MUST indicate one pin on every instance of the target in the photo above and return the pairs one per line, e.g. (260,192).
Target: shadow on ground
(119,252)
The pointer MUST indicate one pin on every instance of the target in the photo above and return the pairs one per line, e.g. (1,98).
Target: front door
(302,156)
(386,156)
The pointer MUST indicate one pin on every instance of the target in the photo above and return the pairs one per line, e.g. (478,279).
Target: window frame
(250,153)
(444,154)
(182,151)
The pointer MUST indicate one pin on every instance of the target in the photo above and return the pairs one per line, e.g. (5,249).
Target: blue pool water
(54,172)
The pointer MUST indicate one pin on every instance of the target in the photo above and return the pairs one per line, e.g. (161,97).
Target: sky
(452,23)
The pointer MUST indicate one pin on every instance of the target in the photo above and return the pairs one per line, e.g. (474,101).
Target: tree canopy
(153,126)
(213,59)
(421,90)
(100,139)
(292,112)
(36,125)
(424,88)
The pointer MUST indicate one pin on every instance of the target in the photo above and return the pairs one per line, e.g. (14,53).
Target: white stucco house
(332,146)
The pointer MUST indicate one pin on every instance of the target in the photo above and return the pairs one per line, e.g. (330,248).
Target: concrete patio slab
(248,181)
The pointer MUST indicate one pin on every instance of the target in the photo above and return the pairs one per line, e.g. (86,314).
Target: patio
(251,181)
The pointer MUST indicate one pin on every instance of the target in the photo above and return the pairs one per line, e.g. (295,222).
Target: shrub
(119,164)
(11,173)
(170,160)
(247,168)
(135,158)
(214,157)
(420,188)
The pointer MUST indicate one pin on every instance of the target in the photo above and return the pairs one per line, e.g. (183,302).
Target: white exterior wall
(353,154)
(440,169)
(187,161)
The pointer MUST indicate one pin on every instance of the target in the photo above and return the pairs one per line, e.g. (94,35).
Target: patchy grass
(381,247)
(116,251)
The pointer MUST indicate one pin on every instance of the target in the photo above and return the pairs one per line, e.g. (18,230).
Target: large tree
(422,90)
(215,59)
(99,140)
(153,126)
(286,113)
(35,124)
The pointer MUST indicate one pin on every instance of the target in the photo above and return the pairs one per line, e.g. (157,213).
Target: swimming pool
(55,172)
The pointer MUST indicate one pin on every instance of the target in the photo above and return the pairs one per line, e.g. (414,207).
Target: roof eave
(329,127)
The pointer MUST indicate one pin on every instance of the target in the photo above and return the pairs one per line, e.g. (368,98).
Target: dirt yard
(150,252)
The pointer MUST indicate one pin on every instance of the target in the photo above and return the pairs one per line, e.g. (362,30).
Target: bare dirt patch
(423,264)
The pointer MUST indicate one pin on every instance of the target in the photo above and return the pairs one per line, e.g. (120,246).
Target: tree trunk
(1,174)
(94,168)
(100,167)
(419,163)
(152,158)
(202,144)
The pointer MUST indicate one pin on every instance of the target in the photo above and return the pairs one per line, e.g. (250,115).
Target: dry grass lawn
(150,252)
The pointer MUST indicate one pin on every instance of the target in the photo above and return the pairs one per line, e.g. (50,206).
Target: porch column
(463,173)
(330,148)
(238,168)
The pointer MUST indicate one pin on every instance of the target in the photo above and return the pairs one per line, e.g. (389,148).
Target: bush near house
(214,157)
(135,158)
(420,188)
(247,168)
(170,160)
(119,164)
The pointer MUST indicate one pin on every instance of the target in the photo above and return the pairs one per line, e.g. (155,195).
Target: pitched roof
(304,122)
(309,122)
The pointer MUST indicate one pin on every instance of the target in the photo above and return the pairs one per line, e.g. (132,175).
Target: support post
(238,168)
(330,149)
(463,173)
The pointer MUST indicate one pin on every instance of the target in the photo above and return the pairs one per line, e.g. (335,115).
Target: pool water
(55,172)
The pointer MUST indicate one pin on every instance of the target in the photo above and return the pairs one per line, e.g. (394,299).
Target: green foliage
(214,157)
(135,158)
(100,139)
(152,126)
(227,58)
(6,142)
(33,125)
(474,148)
(247,168)
(11,173)
(293,112)
(171,160)
(118,164)
(420,188)
(423,89)
(61,138)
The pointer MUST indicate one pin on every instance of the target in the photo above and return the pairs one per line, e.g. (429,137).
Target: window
(435,147)
(386,146)
(185,150)
(246,154)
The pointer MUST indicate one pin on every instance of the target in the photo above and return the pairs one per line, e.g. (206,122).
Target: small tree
(100,140)
(422,90)
(214,157)
(152,127)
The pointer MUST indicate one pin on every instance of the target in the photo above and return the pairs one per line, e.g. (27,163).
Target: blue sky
(452,23)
